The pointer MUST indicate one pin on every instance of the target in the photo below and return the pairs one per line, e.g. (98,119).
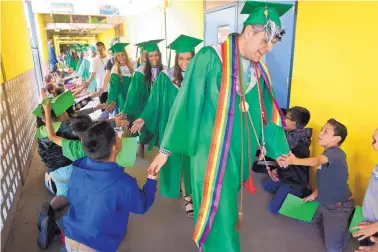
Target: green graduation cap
(140,45)
(184,44)
(260,12)
(152,45)
(119,47)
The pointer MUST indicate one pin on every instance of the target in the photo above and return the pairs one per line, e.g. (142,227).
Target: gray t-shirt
(332,178)
(370,204)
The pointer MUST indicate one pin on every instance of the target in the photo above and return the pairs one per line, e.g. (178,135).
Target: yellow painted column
(335,76)
(15,42)
(106,36)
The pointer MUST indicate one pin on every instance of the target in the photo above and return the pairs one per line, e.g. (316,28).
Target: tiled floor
(166,228)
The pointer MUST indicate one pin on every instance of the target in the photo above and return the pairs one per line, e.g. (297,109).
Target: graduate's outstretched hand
(366,230)
(373,248)
(120,120)
(137,125)
(157,163)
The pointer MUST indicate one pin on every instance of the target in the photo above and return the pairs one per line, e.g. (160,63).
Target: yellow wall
(183,17)
(42,38)
(106,37)
(335,75)
(15,43)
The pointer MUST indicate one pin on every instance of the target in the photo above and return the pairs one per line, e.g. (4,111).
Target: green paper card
(357,219)
(62,102)
(127,156)
(38,110)
(294,207)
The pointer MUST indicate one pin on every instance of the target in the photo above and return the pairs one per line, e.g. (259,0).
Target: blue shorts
(61,177)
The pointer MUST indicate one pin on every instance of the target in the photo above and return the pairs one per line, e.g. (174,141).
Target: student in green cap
(141,60)
(143,80)
(74,58)
(83,71)
(121,76)
(80,50)
(220,122)
(176,174)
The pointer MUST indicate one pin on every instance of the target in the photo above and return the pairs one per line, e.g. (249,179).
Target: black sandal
(189,212)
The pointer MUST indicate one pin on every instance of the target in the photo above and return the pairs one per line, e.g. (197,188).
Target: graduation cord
(261,146)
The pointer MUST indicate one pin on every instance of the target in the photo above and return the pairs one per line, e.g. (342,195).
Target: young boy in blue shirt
(102,195)
(336,201)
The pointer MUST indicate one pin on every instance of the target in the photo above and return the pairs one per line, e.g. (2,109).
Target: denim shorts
(61,177)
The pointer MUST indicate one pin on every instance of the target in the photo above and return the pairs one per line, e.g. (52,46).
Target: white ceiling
(75,27)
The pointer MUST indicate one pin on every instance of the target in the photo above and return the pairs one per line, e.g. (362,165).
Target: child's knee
(270,186)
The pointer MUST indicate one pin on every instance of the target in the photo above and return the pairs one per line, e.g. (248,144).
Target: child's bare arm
(291,159)
(50,130)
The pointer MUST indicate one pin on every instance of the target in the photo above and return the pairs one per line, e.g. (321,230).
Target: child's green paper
(357,219)
(294,207)
(127,156)
(62,102)
(38,110)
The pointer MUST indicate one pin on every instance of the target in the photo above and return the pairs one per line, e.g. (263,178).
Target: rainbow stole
(139,61)
(220,141)
(278,118)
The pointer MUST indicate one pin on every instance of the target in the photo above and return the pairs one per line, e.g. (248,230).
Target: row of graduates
(145,95)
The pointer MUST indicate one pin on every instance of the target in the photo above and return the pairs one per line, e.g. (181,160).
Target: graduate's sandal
(189,208)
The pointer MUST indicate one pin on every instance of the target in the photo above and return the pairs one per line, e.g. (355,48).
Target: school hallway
(166,227)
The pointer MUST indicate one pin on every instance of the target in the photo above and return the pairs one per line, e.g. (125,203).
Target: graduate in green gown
(83,70)
(80,50)
(141,60)
(121,75)
(141,85)
(154,118)
(74,58)
(223,112)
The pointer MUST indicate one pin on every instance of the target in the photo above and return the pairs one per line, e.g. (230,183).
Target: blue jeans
(281,190)
(61,177)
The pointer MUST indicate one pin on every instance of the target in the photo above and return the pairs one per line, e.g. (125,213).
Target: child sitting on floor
(59,168)
(102,195)
(295,178)
(368,230)
(333,194)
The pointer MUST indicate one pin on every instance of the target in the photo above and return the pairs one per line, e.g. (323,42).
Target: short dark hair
(98,141)
(339,129)
(59,90)
(257,28)
(100,44)
(40,122)
(299,115)
(80,124)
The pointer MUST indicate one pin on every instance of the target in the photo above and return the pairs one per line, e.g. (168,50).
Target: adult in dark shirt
(336,201)
(295,178)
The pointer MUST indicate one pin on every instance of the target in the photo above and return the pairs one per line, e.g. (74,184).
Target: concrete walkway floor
(166,228)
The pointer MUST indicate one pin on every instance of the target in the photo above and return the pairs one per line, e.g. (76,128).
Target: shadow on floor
(166,226)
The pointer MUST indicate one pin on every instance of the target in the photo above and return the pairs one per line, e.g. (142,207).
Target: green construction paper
(62,102)
(127,156)
(294,207)
(38,110)
(42,131)
(357,219)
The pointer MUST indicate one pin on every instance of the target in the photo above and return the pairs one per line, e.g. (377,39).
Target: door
(279,60)
(219,23)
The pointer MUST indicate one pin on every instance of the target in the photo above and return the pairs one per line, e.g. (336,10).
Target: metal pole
(165,31)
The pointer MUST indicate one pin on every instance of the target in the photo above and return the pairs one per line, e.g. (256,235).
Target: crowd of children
(81,153)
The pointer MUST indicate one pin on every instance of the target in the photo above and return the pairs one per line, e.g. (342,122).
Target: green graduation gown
(84,73)
(78,64)
(137,99)
(117,90)
(189,131)
(73,63)
(155,116)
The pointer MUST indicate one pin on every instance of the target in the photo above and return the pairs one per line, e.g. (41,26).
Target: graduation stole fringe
(220,141)
(278,117)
